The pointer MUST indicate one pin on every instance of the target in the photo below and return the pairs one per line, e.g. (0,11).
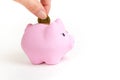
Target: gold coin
(44,21)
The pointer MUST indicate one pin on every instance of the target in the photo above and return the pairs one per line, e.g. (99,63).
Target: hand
(40,9)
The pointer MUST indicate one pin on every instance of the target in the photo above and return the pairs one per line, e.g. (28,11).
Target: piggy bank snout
(71,42)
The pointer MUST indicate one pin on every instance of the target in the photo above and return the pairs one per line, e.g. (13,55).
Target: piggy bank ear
(57,26)
(54,29)
(60,23)
(28,26)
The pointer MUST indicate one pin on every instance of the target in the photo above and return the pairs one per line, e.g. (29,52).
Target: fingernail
(42,14)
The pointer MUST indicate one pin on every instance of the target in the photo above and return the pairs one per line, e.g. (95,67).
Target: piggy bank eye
(63,34)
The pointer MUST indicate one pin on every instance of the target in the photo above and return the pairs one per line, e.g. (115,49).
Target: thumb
(35,7)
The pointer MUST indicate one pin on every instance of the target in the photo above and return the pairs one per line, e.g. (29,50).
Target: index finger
(46,4)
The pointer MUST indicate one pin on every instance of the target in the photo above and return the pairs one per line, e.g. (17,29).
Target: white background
(95,25)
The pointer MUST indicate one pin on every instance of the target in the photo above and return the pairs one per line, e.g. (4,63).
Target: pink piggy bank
(46,43)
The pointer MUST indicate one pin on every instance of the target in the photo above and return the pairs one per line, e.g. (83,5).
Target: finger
(35,7)
(46,4)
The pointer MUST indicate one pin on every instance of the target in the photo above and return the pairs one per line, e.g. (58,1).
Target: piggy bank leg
(35,60)
(53,60)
